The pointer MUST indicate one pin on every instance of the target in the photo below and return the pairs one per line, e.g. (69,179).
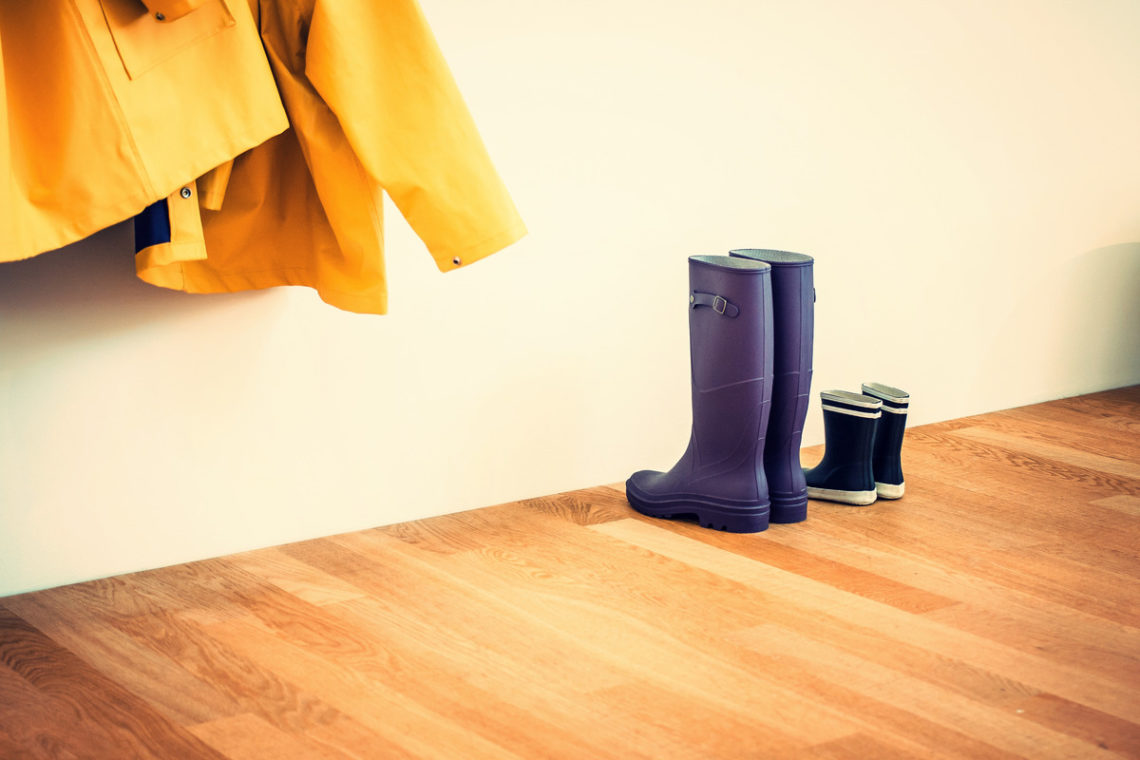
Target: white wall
(967,175)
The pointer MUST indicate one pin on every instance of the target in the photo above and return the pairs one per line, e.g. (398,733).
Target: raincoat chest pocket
(143,42)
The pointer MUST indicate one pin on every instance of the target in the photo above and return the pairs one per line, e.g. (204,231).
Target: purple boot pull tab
(719,304)
(719,479)
(793,320)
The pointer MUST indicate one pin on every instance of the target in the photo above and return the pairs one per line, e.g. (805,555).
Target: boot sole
(788,509)
(890,490)
(854,498)
(710,513)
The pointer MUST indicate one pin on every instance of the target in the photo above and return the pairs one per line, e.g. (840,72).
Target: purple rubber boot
(793,310)
(720,478)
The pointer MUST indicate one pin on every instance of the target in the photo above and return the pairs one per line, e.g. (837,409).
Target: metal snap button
(185,192)
(456,261)
(160,16)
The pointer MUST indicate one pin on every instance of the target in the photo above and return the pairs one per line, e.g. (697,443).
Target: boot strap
(719,304)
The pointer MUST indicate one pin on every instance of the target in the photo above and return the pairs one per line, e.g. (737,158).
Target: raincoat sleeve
(171,10)
(378,67)
(11,237)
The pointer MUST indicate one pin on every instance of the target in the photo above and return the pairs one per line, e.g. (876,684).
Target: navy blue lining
(152,226)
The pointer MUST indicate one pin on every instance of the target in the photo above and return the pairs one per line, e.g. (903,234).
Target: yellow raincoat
(373,108)
(107,106)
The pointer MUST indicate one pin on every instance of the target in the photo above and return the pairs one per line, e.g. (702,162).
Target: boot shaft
(730,321)
(849,425)
(849,422)
(793,324)
(887,458)
(793,307)
(730,345)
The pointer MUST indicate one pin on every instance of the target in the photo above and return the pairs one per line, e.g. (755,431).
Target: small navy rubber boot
(793,319)
(845,474)
(887,458)
(720,477)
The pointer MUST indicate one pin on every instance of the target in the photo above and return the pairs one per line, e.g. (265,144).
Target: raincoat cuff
(171,10)
(450,259)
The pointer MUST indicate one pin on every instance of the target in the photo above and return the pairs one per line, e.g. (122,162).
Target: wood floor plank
(745,702)
(182,636)
(862,581)
(32,725)
(295,577)
(1024,476)
(1027,668)
(483,667)
(248,737)
(256,690)
(1000,729)
(591,655)
(976,683)
(1070,642)
(859,747)
(106,712)
(1085,557)
(414,595)
(1066,453)
(1129,505)
(529,710)
(1108,433)
(984,607)
(1094,727)
(1054,426)
(1073,584)
(478,656)
(895,726)
(163,683)
(991,613)
(589,506)
(968,547)
(1031,508)
(985,680)
(415,728)
(1115,409)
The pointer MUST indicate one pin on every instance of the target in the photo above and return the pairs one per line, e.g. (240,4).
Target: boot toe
(643,481)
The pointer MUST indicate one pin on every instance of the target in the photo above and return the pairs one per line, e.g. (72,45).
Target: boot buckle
(718,304)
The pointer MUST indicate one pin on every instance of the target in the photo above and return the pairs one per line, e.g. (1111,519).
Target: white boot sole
(855,498)
(890,491)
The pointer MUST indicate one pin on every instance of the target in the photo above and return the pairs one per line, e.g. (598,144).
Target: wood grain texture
(994,612)
(71,704)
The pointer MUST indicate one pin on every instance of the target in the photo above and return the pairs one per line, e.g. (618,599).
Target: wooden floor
(994,612)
